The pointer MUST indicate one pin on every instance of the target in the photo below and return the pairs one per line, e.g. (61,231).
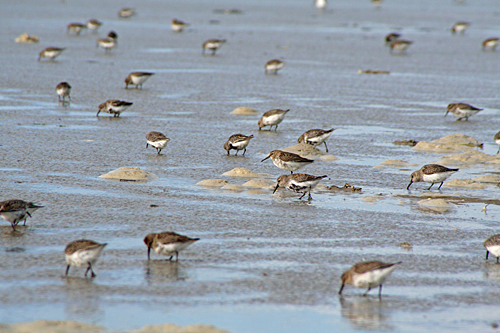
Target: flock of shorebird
(84,253)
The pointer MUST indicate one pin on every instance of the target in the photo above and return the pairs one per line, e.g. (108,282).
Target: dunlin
(497,141)
(368,274)
(76,28)
(213,45)
(237,142)
(106,43)
(298,183)
(431,173)
(462,110)
(288,161)
(272,118)
(459,27)
(168,243)
(315,137)
(320,3)
(126,12)
(491,43)
(51,53)
(391,37)
(274,66)
(400,45)
(178,25)
(63,89)
(137,79)
(83,253)
(15,211)
(114,107)
(113,35)
(93,24)
(492,246)
(157,140)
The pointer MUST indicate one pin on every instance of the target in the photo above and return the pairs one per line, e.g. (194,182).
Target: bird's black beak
(276,188)
(266,158)
(411,182)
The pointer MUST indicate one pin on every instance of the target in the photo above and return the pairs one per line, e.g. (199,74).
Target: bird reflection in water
(365,313)
(165,271)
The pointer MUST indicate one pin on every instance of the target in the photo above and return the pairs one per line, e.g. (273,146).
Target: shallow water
(265,263)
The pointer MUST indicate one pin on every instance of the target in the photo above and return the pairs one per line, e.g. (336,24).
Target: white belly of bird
(401,47)
(240,145)
(118,109)
(107,44)
(275,119)
(301,187)
(289,166)
(62,91)
(437,177)
(317,140)
(51,54)
(82,258)
(160,144)
(137,80)
(177,27)
(494,249)
(274,67)
(212,46)
(460,113)
(373,278)
(169,249)
(497,141)
(491,43)
(14,216)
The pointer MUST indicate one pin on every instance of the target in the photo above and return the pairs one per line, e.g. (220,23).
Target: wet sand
(265,263)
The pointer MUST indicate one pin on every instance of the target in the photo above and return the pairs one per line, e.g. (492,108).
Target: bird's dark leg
(88,269)
(236,152)
(67,270)
(170,259)
(213,51)
(487,253)
(147,145)
(291,172)
(310,198)
(276,128)
(228,152)
(341,288)
(326,146)
(440,185)
(430,187)
(244,151)
(158,150)
(149,251)
(302,196)
(498,150)
(369,288)
(380,291)
(13,226)
(497,259)
(176,256)
(91,270)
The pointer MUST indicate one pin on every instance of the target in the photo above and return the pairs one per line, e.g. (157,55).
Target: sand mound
(449,143)
(372,199)
(469,157)
(233,187)
(396,163)
(465,183)
(244,173)
(260,183)
(212,182)
(25,38)
(171,328)
(309,151)
(435,203)
(487,179)
(129,173)
(53,326)
(243,110)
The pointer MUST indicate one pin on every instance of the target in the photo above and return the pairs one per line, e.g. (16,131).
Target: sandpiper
(126,12)
(459,27)
(157,140)
(114,107)
(106,43)
(491,43)
(76,28)
(400,45)
(213,45)
(51,53)
(168,243)
(315,137)
(320,3)
(272,118)
(391,37)
(462,110)
(298,183)
(431,173)
(237,142)
(63,89)
(113,35)
(368,274)
(274,66)
(497,140)
(93,24)
(15,211)
(288,161)
(178,25)
(492,246)
(83,253)
(137,79)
